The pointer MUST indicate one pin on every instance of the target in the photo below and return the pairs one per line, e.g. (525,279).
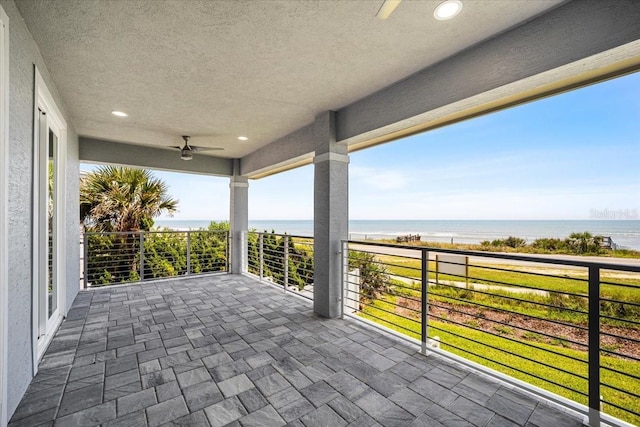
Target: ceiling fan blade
(176,146)
(197,149)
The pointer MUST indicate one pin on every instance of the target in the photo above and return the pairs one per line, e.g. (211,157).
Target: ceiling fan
(186,152)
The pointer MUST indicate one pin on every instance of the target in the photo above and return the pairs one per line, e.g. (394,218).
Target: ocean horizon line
(625,233)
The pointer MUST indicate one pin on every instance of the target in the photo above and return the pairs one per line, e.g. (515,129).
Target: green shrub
(374,279)
(515,242)
(550,244)
(585,243)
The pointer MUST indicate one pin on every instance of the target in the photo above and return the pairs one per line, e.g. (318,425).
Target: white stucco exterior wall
(24,53)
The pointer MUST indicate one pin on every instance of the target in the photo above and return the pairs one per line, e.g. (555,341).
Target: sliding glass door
(48,284)
(49,134)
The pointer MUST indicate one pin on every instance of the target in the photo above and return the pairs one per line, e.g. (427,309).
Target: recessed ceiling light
(447,10)
(119,114)
(243,138)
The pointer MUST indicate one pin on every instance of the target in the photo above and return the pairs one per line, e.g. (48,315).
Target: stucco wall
(23,54)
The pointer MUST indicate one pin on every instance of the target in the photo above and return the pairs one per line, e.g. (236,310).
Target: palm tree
(122,199)
(119,199)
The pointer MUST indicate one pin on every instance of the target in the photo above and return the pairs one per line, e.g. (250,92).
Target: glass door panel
(52,285)
(48,260)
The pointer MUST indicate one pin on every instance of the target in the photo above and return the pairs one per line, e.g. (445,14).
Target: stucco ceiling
(219,69)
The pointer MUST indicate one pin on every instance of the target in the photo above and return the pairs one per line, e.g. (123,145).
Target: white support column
(331,215)
(239,220)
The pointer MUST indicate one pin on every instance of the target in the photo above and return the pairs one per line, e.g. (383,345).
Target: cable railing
(565,329)
(283,260)
(126,257)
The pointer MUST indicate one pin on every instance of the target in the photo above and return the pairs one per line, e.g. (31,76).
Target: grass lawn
(574,281)
(555,280)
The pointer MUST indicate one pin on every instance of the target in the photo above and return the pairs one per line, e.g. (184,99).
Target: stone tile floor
(227,350)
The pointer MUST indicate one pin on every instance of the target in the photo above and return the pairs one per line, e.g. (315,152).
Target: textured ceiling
(220,69)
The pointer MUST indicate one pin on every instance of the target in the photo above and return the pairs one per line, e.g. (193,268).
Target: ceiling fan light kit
(185,154)
(186,151)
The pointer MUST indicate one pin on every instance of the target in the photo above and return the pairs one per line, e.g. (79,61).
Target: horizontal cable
(624,285)
(509,352)
(615,301)
(621,390)
(514,285)
(503,364)
(517,327)
(617,371)
(630,411)
(387,321)
(511,312)
(622,337)
(386,311)
(625,356)
(512,298)
(531,273)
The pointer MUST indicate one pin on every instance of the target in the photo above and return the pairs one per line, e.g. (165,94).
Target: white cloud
(377,179)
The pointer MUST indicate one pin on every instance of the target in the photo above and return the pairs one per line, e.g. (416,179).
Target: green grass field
(554,280)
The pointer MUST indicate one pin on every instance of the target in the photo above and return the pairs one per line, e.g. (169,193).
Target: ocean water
(625,233)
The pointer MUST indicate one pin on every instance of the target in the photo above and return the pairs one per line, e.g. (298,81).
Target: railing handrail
(91,233)
(296,236)
(507,256)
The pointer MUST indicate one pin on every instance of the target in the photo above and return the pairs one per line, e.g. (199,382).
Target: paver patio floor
(228,350)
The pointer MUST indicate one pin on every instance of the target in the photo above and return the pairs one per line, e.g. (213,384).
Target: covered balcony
(169,336)
(246,89)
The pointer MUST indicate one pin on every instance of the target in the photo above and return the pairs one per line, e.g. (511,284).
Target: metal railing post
(261,255)
(425,300)
(244,244)
(227,251)
(141,255)
(594,346)
(85,261)
(345,275)
(285,281)
(188,252)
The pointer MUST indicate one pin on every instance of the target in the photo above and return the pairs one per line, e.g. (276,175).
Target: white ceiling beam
(116,153)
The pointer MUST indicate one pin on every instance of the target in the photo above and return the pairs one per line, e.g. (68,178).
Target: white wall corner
(4,209)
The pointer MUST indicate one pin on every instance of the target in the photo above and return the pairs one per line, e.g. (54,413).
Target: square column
(331,216)
(239,220)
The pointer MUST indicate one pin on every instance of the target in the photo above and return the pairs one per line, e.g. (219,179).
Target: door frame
(4,209)
(44,101)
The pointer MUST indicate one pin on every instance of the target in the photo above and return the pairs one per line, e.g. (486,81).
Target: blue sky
(556,158)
